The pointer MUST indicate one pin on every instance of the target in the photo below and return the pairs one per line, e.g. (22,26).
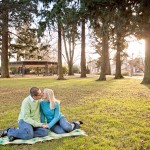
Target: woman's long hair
(50,95)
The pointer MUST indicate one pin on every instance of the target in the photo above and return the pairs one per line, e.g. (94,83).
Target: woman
(50,110)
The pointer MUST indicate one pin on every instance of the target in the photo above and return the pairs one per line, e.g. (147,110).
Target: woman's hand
(44,126)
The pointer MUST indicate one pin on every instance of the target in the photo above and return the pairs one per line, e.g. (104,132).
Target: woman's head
(48,94)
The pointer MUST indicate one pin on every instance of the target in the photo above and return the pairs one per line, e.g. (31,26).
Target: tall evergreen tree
(70,35)
(12,13)
(83,54)
(141,24)
(53,14)
(100,19)
(121,15)
(4,53)
(26,45)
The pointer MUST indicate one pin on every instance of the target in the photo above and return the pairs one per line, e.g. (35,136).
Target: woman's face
(44,96)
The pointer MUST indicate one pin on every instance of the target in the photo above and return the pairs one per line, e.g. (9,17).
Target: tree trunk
(4,54)
(60,69)
(83,57)
(70,68)
(108,70)
(69,52)
(146,79)
(103,65)
(118,74)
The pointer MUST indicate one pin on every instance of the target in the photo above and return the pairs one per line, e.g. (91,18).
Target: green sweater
(30,111)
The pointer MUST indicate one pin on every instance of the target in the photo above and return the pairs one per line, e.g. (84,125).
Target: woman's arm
(56,116)
(42,115)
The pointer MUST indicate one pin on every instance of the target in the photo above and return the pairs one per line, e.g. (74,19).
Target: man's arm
(26,108)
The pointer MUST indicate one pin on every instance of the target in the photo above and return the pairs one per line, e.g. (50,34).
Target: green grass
(116,113)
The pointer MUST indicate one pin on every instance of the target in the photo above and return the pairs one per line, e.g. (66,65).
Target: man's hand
(44,126)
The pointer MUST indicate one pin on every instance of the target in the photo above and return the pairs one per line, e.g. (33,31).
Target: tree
(70,36)
(141,24)
(102,33)
(27,44)
(4,52)
(100,21)
(53,14)
(83,55)
(122,13)
(10,11)
(60,68)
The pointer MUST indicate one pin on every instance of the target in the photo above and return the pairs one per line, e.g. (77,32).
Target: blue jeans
(63,126)
(27,131)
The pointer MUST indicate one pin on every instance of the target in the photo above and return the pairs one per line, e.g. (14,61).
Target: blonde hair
(50,95)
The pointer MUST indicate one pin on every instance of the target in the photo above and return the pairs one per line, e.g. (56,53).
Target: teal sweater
(52,115)
(30,111)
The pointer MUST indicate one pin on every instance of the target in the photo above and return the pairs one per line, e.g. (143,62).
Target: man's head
(35,93)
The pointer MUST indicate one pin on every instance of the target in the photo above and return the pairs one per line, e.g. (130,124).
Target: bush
(13,70)
(125,73)
(87,70)
(76,69)
(53,70)
(138,74)
(65,70)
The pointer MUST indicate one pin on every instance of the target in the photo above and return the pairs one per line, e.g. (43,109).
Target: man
(29,119)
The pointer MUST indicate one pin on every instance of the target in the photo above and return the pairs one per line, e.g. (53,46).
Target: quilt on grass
(51,136)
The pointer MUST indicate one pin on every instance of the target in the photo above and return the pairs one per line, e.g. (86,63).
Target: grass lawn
(116,113)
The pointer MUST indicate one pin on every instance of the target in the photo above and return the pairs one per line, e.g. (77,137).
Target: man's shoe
(11,138)
(4,132)
(80,122)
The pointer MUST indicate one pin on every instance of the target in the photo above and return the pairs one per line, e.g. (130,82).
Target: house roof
(32,63)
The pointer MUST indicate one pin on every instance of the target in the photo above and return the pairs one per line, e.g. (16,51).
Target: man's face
(39,95)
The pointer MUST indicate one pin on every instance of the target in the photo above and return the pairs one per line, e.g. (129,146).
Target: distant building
(92,65)
(129,67)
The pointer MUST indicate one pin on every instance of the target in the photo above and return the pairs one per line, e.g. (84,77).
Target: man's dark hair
(34,91)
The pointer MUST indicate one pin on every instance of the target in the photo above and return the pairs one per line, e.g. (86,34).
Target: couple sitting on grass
(38,116)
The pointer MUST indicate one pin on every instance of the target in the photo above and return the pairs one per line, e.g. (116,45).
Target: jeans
(27,131)
(63,126)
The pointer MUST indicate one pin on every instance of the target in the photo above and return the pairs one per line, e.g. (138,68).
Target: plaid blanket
(51,135)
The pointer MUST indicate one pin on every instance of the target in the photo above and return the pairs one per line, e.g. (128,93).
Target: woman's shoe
(4,132)
(80,122)
(76,126)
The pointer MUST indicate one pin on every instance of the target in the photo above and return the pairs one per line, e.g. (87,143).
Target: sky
(136,48)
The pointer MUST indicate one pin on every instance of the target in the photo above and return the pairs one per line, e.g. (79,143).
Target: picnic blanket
(51,136)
